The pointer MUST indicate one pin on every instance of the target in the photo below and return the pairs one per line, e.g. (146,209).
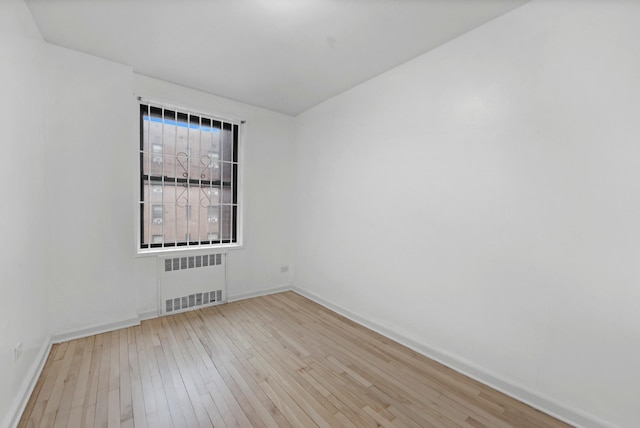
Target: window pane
(225,223)
(226,195)
(214,166)
(152,130)
(181,194)
(155,195)
(193,215)
(169,166)
(208,166)
(156,227)
(215,195)
(181,165)
(169,223)
(194,140)
(201,167)
(157,213)
(213,222)
(234,179)
(226,172)
(182,147)
(144,191)
(235,143)
(152,164)
(169,191)
(213,214)
(234,227)
(200,232)
(144,131)
(144,215)
(227,142)
(211,140)
(169,135)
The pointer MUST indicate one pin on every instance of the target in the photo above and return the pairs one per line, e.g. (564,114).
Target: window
(188,179)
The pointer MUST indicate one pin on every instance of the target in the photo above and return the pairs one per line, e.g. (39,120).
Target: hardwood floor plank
(126,399)
(89,402)
(138,411)
(75,417)
(64,407)
(184,378)
(296,416)
(113,409)
(274,361)
(102,395)
(146,350)
(34,410)
(55,397)
(31,405)
(169,390)
(80,391)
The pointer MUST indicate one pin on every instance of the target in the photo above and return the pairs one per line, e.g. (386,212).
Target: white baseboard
(21,399)
(264,292)
(94,329)
(561,411)
(147,315)
(131,322)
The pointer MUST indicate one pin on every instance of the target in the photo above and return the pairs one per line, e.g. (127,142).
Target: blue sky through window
(183,124)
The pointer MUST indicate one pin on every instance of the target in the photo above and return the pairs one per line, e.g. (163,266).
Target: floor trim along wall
(258,293)
(21,399)
(147,315)
(556,409)
(95,329)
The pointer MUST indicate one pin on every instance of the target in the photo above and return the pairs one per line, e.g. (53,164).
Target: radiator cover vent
(192,301)
(191,262)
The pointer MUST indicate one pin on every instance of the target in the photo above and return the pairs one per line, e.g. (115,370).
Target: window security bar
(188,178)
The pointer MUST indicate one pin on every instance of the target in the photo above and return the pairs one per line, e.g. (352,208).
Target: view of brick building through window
(188,183)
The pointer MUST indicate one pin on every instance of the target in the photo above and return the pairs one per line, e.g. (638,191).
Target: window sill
(156,252)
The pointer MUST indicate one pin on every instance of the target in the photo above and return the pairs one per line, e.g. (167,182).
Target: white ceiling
(284,55)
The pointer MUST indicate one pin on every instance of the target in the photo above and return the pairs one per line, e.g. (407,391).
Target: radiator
(192,282)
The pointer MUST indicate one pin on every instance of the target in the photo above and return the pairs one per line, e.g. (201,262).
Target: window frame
(235,205)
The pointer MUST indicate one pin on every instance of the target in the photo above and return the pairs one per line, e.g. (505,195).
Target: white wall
(91,133)
(89,190)
(23,317)
(268,193)
(483,200)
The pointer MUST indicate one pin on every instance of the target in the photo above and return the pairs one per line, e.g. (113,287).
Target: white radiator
(191,282)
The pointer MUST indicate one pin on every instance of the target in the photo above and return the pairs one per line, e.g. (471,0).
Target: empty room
(333,213)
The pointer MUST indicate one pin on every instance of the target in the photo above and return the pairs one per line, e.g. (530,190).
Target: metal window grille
(188,178)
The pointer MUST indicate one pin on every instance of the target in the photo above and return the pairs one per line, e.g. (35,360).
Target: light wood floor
(273,361)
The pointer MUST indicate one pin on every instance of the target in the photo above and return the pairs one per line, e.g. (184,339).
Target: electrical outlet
(284,269)
(17,351)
